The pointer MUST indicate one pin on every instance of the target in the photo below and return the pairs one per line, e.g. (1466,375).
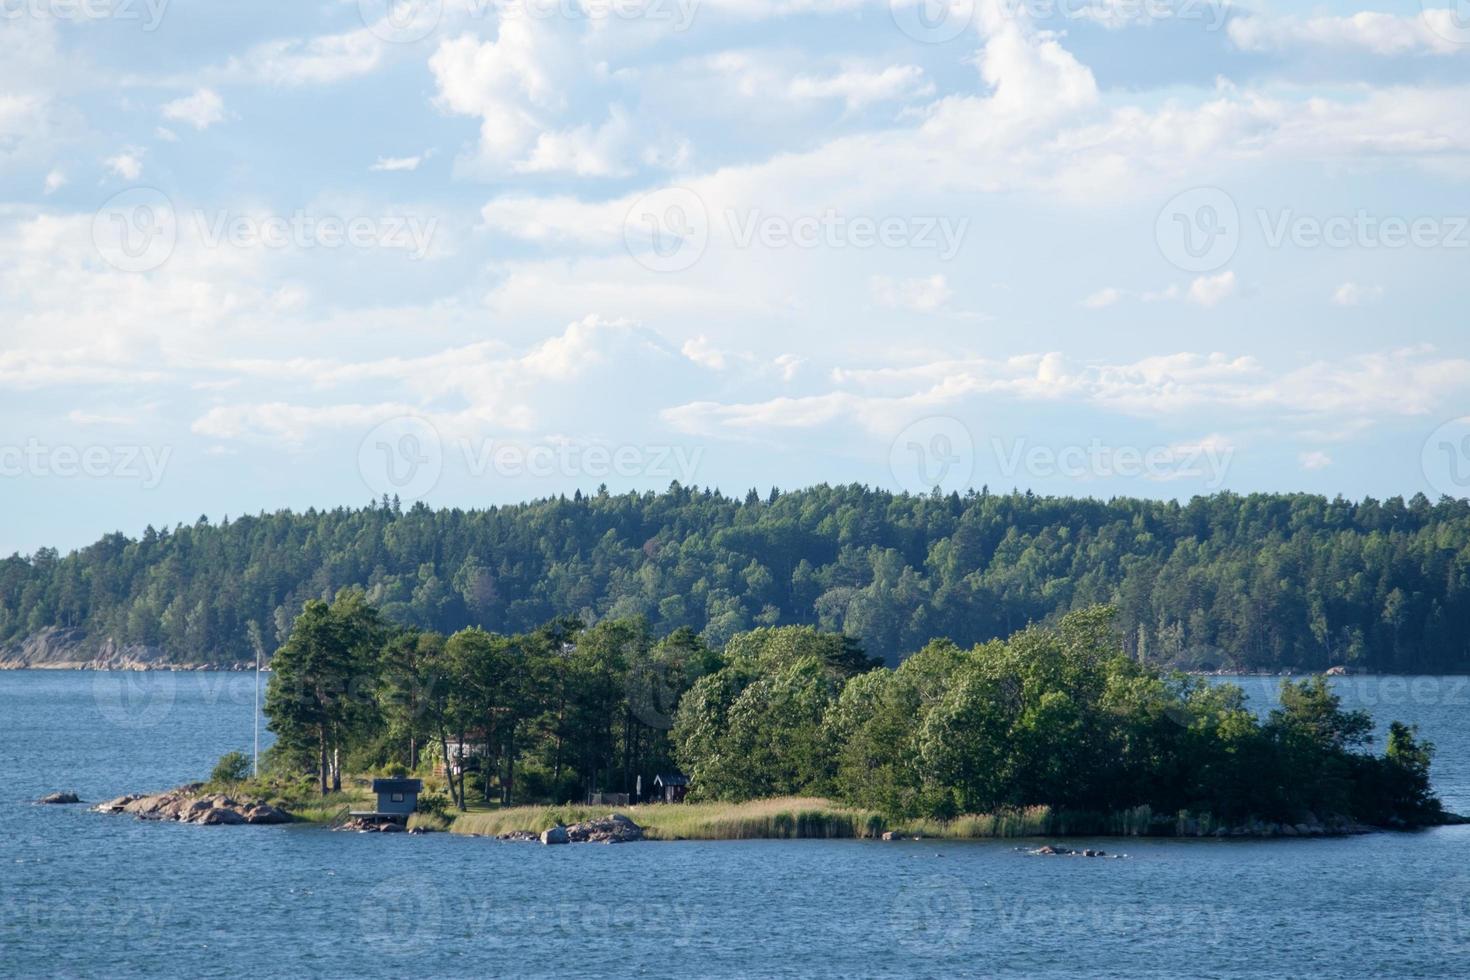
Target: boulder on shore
(614,829)
(186,805)
(555,835)
(59,798)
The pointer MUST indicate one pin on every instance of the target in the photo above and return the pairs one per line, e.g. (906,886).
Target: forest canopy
(1055,716)
(1266,581)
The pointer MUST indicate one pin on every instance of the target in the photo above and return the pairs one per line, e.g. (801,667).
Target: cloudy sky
(305,253)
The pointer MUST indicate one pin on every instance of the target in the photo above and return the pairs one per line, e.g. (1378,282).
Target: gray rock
(59,798)
(556,835)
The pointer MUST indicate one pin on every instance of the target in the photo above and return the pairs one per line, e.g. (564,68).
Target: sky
(294,254)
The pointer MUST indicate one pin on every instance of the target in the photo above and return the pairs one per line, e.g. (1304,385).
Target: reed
(788,817)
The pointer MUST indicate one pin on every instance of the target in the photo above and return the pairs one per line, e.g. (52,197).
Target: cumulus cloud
(201,110)
(921,294)
(1212,290)
(1355,294)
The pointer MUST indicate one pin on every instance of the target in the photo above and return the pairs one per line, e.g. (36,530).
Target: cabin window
(397,797)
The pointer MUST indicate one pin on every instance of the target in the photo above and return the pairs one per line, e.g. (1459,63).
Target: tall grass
(779,818)
(808,817)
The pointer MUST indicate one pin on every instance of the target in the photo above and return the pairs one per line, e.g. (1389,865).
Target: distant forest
(1266,581)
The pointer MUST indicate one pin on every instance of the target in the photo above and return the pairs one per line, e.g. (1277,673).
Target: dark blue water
(83,894)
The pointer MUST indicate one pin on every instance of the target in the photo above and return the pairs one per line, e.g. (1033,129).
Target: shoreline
(795,818)
(131,666)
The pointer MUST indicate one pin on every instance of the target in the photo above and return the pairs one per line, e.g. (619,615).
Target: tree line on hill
(1265,581)
(1059,716)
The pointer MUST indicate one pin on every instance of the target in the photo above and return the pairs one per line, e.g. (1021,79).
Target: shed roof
(671,779)
(397,785)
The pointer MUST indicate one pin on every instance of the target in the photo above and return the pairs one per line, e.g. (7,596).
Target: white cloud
(1365,32)
(1103,298)
(55,181)
(128,164)
(400,164)
(700,351)
(320,60)
(1212,290)
(859,88)
(922,294)
(201,110)
(1314,459)
(1354,294)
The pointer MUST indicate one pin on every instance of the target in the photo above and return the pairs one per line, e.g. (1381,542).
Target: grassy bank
(804,817)
(793,817)
(776,818)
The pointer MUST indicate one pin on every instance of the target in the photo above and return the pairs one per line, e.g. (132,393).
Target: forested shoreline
(1055,717)
(1258,582)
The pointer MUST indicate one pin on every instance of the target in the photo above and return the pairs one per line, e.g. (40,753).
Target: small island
(792,732)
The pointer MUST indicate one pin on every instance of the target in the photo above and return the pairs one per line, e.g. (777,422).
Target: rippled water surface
(83,894)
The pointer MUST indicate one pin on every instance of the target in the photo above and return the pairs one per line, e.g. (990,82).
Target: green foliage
(1056,720)
(232,767)
(1263,581)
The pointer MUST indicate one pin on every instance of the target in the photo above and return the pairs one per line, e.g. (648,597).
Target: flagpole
(258,645)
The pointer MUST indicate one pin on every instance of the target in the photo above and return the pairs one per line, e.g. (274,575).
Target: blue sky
(471,252)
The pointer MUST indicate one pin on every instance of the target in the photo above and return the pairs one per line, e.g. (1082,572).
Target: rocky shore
(59,648)
(188,805)
(614,829)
